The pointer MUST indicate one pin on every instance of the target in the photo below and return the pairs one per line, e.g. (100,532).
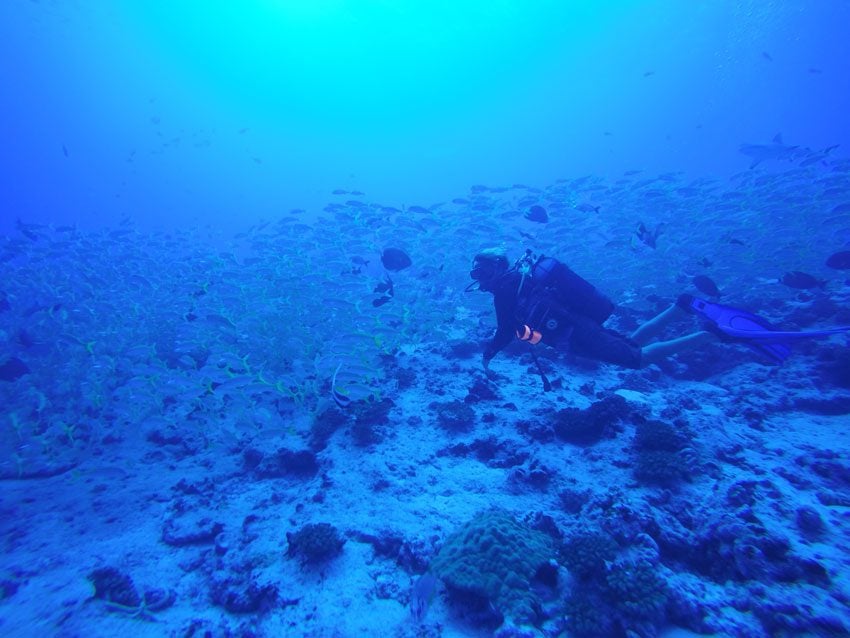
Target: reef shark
(776,150)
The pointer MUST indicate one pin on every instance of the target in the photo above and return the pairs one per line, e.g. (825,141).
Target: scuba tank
(572,290)
(566,289)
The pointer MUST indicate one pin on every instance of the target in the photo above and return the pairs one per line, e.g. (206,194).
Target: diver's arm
(502,338)
(505,332)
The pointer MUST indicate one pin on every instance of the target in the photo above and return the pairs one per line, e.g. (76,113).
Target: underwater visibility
(340,318)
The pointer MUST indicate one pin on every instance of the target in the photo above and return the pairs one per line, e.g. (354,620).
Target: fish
(385,286)
(801,280)
(767,56)
(815,157)
(839,260)
(705,263)
(537,214)
(650,238)
(421,596)
(706,285)
(13,369)
(776,150)
(64,150)
(380,301)
(28,230)
(340,399)
(395,259)
(647,74)
(587,208)
(216,319)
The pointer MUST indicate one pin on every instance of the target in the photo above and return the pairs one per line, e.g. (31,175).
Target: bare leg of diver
(655,352)
(652,328)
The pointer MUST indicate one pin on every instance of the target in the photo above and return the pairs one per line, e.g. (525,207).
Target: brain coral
(495,556)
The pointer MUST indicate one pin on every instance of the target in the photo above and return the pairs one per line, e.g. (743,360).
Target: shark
(776,150)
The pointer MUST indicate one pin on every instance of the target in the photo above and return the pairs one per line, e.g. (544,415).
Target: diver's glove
(485,360)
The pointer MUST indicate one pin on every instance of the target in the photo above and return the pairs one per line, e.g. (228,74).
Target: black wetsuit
(561,327)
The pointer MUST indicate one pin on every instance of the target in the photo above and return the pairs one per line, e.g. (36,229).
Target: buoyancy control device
(548,290)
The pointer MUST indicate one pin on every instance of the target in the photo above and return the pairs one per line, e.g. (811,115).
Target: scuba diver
(542,300)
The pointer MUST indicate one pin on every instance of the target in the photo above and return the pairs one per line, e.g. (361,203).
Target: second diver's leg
(655,352)
(652,328)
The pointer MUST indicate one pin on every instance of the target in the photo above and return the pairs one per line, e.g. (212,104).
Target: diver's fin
(740,324)
(749,330)
(783,335)
(734,324)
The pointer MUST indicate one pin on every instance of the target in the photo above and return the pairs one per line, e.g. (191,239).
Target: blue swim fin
(744,327)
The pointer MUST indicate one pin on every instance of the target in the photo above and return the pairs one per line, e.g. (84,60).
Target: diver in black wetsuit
(543,300)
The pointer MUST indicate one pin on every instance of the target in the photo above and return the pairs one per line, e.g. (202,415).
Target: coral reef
(637,590)
(651,434)
(810,523)
(284,463)
(586,551)
(742,549)
(315,543)
(585,427)
(121,596)
(243,595)
(662,455)
(496,557)
(324,425)
(454,416)
(190,528)
(572,501)
(588,616)
(368,420)
(112,585)
(481,390)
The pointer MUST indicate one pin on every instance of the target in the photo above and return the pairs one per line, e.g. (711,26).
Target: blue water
(241,384)
(221,112)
